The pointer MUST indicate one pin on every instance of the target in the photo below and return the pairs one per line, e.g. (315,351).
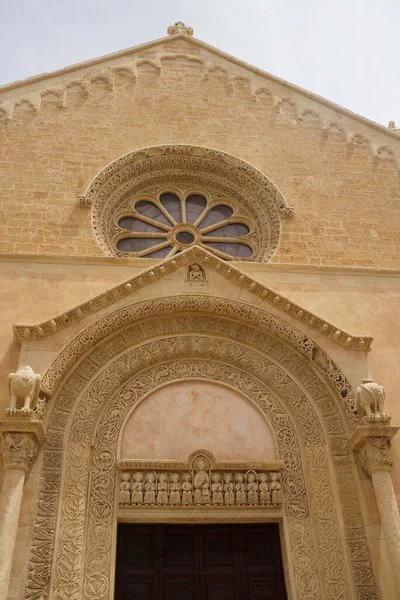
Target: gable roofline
(207,260)
(213,50)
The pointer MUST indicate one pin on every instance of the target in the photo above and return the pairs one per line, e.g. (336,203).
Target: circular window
(165,225)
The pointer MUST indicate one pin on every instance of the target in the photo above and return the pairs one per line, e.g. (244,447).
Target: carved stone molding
(204,302)
(220,312)
(371,444)
(20,442)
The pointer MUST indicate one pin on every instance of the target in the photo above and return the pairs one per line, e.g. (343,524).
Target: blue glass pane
(216,215)
(138,244)
(151,211)
(195,204)
(132,224)
(159,253)
(233,249)
(233,230)
(172,204)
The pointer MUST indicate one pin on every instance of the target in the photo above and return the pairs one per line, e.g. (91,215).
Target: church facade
(199,335)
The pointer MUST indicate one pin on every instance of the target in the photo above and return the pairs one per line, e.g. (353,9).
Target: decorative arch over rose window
(158,201)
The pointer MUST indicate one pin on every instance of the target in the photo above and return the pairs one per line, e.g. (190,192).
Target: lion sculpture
(24,388)
(370,402)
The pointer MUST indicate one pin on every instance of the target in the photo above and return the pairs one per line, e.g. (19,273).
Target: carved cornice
(184,259)
(127,464)
(32,87)
(20,442)
(371,444)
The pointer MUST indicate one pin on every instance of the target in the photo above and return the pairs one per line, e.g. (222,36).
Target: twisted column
(20,444)
(371,444)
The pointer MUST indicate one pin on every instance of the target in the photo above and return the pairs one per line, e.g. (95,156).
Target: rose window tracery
(161,226)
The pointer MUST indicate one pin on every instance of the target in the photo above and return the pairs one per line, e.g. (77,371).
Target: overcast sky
(345,50)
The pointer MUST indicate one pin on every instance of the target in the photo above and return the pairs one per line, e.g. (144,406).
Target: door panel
(183,562)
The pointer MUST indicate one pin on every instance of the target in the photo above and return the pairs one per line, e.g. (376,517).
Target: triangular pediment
(305,106)
(176,275)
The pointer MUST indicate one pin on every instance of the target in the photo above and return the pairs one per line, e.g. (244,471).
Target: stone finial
(24,388)
(179,28)
(370,403)
(392,127)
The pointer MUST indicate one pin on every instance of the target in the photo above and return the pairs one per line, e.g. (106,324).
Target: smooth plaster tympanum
(176,419)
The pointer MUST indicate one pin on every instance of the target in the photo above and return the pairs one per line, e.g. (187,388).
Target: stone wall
(57,134)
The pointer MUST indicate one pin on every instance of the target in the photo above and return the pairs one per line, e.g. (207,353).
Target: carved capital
(20,443)
(371,444)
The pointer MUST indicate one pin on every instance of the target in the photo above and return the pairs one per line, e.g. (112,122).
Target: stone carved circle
(101,391)
(185,168)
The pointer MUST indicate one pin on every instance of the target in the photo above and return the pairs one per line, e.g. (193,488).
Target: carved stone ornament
(114,363)
(196,273)
(20,442)
(371,444)
(195,255)
(200,481)
(179,28)
(146,173)
(23,388)
(370,402)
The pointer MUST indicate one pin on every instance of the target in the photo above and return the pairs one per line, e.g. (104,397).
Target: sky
(345,50)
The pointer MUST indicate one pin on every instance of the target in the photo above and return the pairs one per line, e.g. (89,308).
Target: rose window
(161,227)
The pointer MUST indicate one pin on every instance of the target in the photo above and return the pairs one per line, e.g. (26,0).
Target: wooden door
(213,562)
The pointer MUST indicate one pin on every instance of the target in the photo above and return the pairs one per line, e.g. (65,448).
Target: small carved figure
(150,489)
(392,127)
(24,388)
(124,487)
(229,487)
(137,488)
(175,490)
(275,486)
(370,402)
(265,496)
(252,488)
(216,489)
(240,489)
(196,272)
(201,484)
(187,495)
(162,492)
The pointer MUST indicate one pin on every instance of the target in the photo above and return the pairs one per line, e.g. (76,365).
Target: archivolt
(152,170)
(198,309)
(122,366)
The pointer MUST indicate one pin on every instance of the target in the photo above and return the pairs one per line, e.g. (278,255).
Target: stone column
(371,444)
(20,443)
